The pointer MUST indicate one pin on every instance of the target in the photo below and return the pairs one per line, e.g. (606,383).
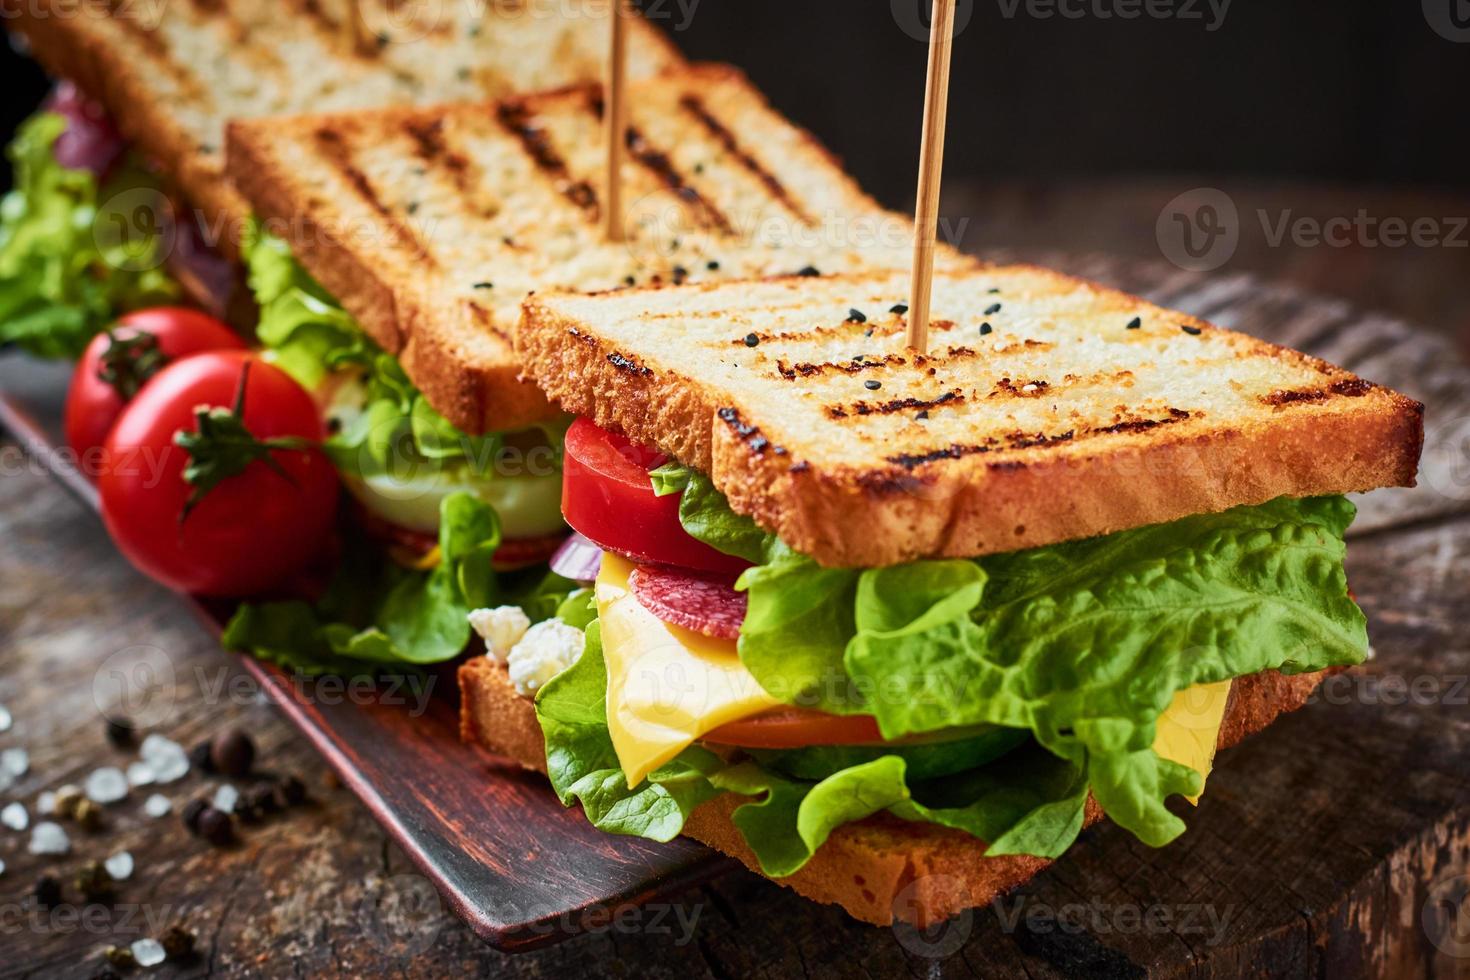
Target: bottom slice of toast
(878,869)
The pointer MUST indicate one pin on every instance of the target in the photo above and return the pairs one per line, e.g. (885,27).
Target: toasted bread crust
(877,514)
(879,869)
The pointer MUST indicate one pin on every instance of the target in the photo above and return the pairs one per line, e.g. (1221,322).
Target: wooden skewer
(615,122)
(931,166)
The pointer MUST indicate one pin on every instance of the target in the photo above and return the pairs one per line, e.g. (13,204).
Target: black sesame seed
(868,332)
(992,309)
(485,285)
(899,308)
(413,207)
(712,265)
(1192,331)
(985,328)
(872,385)
(751,340)
(993,289)
(680,272)
(922,415)
(856,316)
(808,271)
(628,280)
(1135,323)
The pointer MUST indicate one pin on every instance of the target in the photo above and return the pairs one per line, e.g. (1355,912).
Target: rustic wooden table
(1336,844)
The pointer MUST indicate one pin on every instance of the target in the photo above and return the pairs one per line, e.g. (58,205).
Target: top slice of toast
(432,225)
(172,73)
(1047,408)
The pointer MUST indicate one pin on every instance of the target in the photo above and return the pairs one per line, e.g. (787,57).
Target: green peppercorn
(120,957)
(87,814)
(93,881)
(67,798)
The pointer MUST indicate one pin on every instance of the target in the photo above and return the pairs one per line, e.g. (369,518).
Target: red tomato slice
(607,496)
(140,344)
(795,728)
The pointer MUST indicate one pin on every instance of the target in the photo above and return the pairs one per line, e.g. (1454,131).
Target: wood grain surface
(1335,844)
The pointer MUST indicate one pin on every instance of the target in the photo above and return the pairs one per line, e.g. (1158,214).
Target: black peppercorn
(216,827)
(233,753)
(294,790)
(191,813)
(47,891)
(262,798)
(120,732)
(106,972)
(199,757)
(177,942)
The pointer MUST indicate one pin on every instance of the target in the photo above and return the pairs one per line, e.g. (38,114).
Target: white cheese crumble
(547,649)
(501,628)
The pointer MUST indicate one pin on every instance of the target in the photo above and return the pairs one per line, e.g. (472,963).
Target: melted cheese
(666,685)
(1189,729)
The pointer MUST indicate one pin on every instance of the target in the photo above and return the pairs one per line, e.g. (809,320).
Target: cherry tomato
(607,496)
(117,364)
(263,508)
(794,728)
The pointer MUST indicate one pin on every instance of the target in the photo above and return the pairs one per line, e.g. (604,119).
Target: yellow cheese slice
(666,685)
(1189,729)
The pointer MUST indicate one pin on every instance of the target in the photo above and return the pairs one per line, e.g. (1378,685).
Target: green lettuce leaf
(583,767)
(376,613)
(64,273)
(671,477)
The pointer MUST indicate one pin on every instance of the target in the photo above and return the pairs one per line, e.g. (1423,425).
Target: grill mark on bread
(161,56)
(657,162)
(862,408)
(333,147)
(807,369)
(1346,388)
(486,320)
(1019,440)
(748,434)
(436,149)
(628,364)
(515,116)
(722,134)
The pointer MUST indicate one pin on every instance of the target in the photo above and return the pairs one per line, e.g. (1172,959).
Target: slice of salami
(699,601)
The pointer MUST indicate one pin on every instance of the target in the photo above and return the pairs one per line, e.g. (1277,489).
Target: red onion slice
(577,559)
(90,142)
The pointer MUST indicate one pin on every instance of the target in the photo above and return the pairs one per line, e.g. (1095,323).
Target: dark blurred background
(1073,123)
(1358,90)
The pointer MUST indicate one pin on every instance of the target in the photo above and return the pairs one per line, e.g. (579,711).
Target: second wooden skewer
(615,122)
(931,167)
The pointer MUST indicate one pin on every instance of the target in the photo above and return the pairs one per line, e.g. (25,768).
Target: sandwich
(410,237)
(891,627)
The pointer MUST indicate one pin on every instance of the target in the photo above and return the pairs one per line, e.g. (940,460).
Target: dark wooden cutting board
(1337,843)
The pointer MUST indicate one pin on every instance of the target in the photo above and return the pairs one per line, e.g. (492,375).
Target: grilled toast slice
(173,72)
(879,869)
(1047,409)
(432,225)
